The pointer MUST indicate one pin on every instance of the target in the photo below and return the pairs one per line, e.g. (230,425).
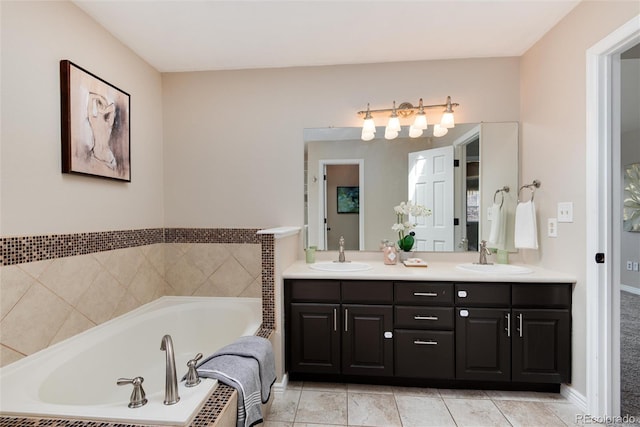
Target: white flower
(397,227)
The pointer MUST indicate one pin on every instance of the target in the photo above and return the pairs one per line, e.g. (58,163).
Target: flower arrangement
(403,226)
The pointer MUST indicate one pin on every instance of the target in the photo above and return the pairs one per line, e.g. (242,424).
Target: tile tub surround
(66,295)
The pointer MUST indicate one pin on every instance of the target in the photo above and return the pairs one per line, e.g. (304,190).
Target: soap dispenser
(390,253)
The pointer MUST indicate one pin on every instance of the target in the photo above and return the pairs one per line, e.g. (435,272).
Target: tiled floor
(330,405)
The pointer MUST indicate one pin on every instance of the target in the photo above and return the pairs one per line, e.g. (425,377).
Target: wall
(246,127)
(553,142)
(36,197)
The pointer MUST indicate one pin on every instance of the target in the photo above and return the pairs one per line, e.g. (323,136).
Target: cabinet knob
(462,294)
(464,313)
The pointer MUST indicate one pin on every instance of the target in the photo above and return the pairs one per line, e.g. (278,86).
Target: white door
(431,185)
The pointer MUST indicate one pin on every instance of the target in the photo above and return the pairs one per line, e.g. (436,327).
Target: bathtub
(76,378)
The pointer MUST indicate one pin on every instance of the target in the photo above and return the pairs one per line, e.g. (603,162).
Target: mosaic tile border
(211,235)
(207,416)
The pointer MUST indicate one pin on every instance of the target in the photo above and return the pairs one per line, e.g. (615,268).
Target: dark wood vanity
(429,333)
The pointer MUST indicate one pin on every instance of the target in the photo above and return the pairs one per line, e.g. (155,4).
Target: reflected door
(431,185)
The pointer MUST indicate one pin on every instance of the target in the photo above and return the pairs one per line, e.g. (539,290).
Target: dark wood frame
(74,160)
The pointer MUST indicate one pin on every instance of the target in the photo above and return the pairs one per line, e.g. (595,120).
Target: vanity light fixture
(405,110)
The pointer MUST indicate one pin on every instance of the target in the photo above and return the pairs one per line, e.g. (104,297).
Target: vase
(405,255)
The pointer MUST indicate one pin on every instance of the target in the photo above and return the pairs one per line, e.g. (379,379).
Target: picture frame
(348,199)
(95,125)
(631,198)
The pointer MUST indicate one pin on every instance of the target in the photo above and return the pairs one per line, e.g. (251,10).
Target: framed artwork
(348,199)
(96,138)
(631,209)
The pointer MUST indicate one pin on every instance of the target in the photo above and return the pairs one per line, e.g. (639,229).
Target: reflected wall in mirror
(456,176)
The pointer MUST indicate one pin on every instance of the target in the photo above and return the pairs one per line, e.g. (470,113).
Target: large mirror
(352,186)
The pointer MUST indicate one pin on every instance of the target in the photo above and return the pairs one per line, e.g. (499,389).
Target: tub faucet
(341,249)
(171,380)
(484,251)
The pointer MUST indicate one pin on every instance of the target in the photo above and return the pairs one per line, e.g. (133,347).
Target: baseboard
(630,289)
(573,396)
(281,386)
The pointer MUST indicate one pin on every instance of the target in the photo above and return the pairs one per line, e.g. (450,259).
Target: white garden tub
(76,378)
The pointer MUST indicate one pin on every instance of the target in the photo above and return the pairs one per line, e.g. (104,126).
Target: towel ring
(502,190)
(535,184)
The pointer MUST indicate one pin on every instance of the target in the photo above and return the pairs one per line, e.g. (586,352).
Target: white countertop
(435,271)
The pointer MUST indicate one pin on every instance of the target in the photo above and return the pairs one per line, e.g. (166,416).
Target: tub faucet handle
(138,397)
(192,375)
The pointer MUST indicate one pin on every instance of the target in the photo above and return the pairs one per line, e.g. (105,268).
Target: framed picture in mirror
(348,199)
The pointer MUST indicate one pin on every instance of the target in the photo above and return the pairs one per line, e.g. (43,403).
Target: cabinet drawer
(314,290)
(367,291)
(483,294)
(424,317)
(541,295)
(424,293)
(424,354)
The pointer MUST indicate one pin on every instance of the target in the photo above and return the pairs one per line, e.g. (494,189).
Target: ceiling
(191,35)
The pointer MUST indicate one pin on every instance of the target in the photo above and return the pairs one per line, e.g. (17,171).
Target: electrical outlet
(635,266)
(629,265)
(565,212)
(552,227)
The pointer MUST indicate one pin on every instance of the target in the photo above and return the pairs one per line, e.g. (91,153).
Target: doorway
(604,216)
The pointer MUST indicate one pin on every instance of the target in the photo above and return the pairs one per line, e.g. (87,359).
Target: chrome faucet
(341,257)
(171,380)
(484,251)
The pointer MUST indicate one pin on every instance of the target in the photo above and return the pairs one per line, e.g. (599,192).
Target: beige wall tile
(127,303)
(207,257)
(98,303)
(155,255)
(14,283)
(230,280)
(123,264)
(74,324)
(70,277)
(184,277)
(8,355)
(249,256)
(146,283)
(173,252)
(36,268)
(254,290)
(34,321)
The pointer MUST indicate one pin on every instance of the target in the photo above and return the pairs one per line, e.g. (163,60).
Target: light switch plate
(552,227)
(565,212)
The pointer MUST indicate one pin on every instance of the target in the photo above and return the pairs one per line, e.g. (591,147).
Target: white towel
(526,231)
(498,227)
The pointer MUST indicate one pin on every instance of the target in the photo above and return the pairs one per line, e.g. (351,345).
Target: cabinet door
(482,344)
(314,344)
(365,348)
(541,346)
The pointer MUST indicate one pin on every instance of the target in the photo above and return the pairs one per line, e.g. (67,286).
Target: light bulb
(421,121)
(369,126)
(414,132)
(389,134)
(439,131)
(367,136)
(394,124)
(447,120)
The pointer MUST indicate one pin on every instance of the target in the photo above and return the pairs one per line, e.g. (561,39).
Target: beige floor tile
(369,388)
(294,385)
(275,424)
(321,386)
(318,425)
(475,413)
(531,396)
(462,394)
(569,413)
(329,407)
(523,413)
(368,409)
(417,411)
(284,406)
(416,391)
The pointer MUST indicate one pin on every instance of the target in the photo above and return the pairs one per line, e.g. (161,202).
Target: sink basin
(340,266)
(495,268)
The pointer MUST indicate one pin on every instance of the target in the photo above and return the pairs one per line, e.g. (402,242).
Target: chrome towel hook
(535,184)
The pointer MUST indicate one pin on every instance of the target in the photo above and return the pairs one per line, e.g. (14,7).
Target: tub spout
(171,380)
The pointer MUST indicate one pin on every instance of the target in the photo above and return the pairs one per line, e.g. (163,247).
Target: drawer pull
(420,342)
(508,328)
(425,294)
(425,317)
(335,320)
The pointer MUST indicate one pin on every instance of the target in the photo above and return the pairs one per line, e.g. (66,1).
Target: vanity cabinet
(421,333)
(513,332)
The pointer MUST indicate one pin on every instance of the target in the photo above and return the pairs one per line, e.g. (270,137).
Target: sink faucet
(171,380)
(341,249)
(484,251)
